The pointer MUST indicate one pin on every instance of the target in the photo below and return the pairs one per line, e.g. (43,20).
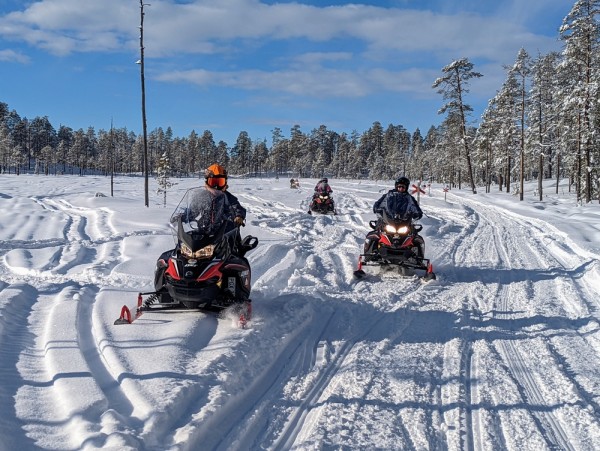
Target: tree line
(543,122)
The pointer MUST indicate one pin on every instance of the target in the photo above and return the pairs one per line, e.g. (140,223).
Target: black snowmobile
(322,203)
(395,241)
(208,268)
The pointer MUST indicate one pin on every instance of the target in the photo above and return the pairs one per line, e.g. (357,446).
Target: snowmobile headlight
(205,252)
(186,251)
(390,229)
(402,230)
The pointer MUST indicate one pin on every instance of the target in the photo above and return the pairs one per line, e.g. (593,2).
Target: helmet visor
(401,187)
(216,181)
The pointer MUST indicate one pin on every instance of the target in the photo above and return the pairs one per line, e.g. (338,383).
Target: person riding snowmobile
(215,182)
(215,177)
(322,188)
(397,202)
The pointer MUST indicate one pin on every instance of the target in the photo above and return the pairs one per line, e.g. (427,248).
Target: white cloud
(12,56)
(324,83)
(372,48)
(64,26)
(316,58)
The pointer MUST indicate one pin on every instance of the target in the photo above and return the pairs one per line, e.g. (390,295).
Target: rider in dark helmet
(321,188)
(398,201)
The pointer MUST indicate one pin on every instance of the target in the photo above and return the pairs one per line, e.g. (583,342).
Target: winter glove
(239,221)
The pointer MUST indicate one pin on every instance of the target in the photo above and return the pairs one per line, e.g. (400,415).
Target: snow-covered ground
(502,351)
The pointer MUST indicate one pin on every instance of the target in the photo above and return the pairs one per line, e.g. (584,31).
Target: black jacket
(396,203)
(234,206)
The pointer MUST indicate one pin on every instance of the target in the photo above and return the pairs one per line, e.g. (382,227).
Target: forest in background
(543,122)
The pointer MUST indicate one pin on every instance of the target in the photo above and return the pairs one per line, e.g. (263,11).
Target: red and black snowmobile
(322,203)
(207,269)
(395,241)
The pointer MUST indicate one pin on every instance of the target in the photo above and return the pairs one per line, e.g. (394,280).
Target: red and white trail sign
(416,189)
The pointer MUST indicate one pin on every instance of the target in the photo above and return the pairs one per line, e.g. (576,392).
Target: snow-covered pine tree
(542,116)
(453,86)
(521,70)
(580,31)
(163,171)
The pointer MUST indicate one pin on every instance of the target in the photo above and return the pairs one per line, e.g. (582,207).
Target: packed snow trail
(500,352)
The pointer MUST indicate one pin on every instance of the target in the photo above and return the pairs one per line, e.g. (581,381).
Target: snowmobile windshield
(202,210)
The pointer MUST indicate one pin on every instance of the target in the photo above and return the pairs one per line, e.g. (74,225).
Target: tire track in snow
(551,430)
(233,428)
(19,357)
(543,254)
(307,282)
(294,424)
(520,367)
(64,258)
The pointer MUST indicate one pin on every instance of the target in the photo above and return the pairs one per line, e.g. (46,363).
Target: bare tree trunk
(522,164)
(541,175)
(488,169)
(464,136)
(146,197)
(557,171)
(578,178)
(508,173)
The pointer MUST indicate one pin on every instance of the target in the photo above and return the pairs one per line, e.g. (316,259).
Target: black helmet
(402,181)
(324,179)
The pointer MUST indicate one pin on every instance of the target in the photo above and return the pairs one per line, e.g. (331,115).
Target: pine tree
(581,32)
(542,117)
(521,70)
(162,177)
(453,86)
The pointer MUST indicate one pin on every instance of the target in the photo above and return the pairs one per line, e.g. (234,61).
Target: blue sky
(233,65)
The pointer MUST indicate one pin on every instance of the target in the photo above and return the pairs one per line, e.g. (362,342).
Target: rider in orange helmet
(215,177)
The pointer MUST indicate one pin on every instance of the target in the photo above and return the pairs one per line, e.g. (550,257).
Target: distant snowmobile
(322,203)
(395,241)
(207,269)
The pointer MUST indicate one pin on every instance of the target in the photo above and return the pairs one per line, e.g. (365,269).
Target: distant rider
(322,187)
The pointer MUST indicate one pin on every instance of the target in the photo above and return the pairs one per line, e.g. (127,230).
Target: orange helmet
(215,176)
